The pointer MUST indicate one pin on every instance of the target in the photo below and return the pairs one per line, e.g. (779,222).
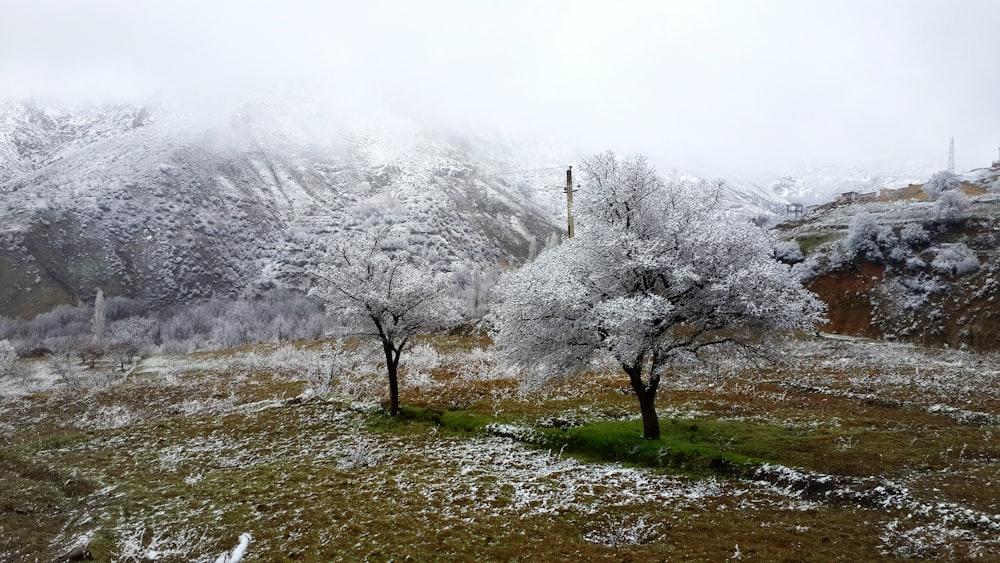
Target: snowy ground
(178,459)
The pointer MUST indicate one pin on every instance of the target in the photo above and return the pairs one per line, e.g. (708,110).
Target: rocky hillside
(165,207)
(898,267)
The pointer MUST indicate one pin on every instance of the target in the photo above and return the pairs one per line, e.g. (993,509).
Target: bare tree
(382,291)
(656,275)
(128,336)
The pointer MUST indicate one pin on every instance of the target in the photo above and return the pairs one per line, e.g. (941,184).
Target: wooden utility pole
(569,201)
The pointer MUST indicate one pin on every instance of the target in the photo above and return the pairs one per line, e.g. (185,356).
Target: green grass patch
(694,447)
(810,243)
(417,418)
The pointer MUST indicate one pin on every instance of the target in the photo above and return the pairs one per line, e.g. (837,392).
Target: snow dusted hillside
(33,136)
(901,269)
(824,183)
(162,206)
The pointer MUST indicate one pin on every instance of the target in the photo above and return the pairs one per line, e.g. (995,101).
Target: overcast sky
(737,86)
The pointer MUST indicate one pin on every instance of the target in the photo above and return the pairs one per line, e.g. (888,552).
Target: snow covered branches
(869,240)
(941,182)
(383,291)
(657,274)
(945,188)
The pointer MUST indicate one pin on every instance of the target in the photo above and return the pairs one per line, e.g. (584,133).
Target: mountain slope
(912,274)
(165,208)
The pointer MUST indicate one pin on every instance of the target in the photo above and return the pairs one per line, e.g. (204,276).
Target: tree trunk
(650,422)
(391,366)
(647,398)
(393,390)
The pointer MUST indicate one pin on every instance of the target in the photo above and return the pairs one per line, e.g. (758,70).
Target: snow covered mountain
(824,183)
(166,206)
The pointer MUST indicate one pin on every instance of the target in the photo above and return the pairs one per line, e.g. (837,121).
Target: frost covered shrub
(345,371)
(788,252)
(950,205)
(275,316)
(869,240)
(423,357)
(109,418)
(63,322)
(921,284)
(806,269)
(943,181)
(899,254)
(915,263)
(8,359)
(137,543)
(616,534)
(956,260)
(914,236)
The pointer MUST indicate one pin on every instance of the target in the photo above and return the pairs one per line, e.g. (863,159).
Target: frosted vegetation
(209,325)
(177,433)
(252,441)
(381,291)
(658,276)
(918,270)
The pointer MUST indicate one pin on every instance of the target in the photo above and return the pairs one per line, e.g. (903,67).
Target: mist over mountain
(167,203)
(160,205)
(822,183)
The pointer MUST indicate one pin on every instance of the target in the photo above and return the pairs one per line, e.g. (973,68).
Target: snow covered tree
(383,291)
(658,274)
(128,336)
(950,205)
(943,181)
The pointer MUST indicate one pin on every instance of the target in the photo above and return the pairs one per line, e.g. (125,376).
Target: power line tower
(951,155)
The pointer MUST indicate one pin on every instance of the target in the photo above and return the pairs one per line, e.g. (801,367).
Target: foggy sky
(720,86)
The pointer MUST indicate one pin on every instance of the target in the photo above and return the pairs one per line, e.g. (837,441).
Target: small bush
(869,240)
(8,360)
(955,260)
(788,252)
(914,236)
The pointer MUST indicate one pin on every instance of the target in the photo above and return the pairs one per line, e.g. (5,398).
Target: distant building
(852,197)
(794,209)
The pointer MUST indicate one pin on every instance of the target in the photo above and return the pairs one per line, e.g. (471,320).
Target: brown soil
(848,298)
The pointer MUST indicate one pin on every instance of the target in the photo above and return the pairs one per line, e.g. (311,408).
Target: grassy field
(854,450)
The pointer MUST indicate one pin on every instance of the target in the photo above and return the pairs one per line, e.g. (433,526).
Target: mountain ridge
(164,212)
